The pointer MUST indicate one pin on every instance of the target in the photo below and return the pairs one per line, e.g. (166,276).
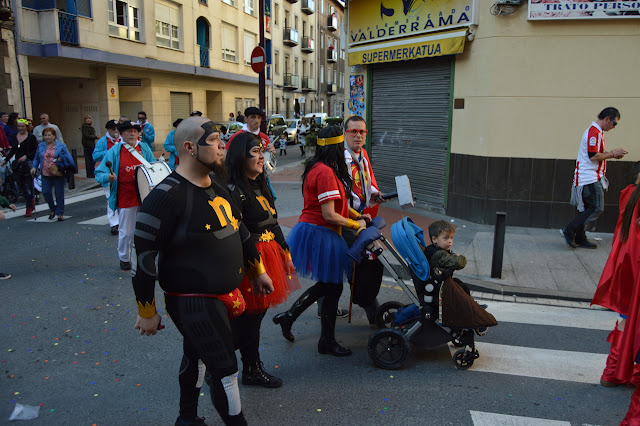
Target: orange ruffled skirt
(284,283)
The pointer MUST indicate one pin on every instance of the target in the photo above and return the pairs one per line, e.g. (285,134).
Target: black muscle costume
(201,244)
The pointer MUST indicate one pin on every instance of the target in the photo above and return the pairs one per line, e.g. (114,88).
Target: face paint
(208,128)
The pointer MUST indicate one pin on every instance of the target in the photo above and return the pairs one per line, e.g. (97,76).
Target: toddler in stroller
(442,311)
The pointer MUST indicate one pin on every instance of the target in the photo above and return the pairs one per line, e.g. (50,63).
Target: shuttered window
(180,105)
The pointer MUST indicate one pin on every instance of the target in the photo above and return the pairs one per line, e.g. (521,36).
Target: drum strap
(137,155)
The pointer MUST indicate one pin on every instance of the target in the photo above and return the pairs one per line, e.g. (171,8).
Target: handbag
(55,170)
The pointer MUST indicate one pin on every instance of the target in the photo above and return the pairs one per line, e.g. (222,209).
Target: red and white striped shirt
(588,171)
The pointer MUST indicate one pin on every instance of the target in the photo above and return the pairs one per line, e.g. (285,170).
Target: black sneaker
(198,421)
(114,230)
(125,266)
(568,238)
(4,276)
(586,244)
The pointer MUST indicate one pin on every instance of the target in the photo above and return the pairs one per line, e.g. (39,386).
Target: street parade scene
(359,213)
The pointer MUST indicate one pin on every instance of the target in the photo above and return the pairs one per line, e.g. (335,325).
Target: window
(239,106)
(249,7)
(295,23)
(83,8)
(295,66)
(287,20)
(249,44)
(311,70)
(341,80)
(321,40)
(125,19)
(321,6)
(276,62)
(321,75)
(249,103)
(229,42)
(167,25)
(276,14)
(335,76)
(230,2)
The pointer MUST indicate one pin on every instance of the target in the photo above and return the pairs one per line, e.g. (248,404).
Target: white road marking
(45,219)
(569,366)
(480,418)
(523,313)
(100,220)
(43,207)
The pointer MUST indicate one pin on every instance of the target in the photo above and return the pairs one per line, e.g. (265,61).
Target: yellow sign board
(377,20)
(445,43)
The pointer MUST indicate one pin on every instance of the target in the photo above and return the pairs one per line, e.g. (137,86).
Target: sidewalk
(536,262)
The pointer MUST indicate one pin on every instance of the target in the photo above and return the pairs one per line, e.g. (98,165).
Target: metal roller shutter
(180,105)
(410,126)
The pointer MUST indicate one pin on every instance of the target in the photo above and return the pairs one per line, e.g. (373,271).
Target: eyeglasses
(614,122)
(354,132)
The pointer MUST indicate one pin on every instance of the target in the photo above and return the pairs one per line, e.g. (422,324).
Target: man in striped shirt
(589,180)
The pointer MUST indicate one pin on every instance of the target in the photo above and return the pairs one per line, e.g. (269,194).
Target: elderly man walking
(44,124)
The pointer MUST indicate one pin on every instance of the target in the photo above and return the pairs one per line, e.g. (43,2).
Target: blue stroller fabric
(408,239)
(406,313)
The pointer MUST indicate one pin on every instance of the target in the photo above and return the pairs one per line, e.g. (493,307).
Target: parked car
(276,124)
(292,130)
(231,128)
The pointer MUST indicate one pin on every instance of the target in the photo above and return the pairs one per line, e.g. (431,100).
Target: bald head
(189,129)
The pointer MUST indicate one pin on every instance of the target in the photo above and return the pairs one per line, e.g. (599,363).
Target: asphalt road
(68,346)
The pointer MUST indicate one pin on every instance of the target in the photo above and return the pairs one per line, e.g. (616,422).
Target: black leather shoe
(125,266)
(332,348)
(586,244)
(285,321)
(198,421)
(568,238)
(114,230)
(254,375)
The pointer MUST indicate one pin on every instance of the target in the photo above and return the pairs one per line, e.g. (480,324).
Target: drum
(269,163)
(148,177)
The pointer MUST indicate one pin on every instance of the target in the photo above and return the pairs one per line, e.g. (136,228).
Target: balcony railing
(308,84)
(68,28)
(308,6)
(290,37)
(332,23)
(332,55)
(332,88)
(204,56)
(308,45)
(291,81)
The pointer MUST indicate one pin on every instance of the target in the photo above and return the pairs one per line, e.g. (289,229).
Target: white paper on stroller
(403,186)
(25,412)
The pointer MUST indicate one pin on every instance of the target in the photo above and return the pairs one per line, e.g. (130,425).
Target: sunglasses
(614,122)
(354,132)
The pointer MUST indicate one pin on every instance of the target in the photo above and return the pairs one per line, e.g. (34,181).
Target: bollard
(71,177)
(498,245)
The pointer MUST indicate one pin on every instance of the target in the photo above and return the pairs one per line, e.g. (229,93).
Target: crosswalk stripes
(44,208)
(480,418)
(100,220)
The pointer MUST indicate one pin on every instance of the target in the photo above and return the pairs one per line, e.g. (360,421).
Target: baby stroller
(440,312)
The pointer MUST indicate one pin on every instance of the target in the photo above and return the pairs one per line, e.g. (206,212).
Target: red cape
(619,288)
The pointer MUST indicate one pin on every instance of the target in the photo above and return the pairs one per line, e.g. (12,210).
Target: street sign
(301,100)
(258,59)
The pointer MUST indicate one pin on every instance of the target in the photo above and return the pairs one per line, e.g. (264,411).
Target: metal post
(262,76)
(71,177)
(498,245)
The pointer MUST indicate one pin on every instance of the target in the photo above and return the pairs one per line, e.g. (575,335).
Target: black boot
(254,375)
(327,343)
(286,319)
(371,310)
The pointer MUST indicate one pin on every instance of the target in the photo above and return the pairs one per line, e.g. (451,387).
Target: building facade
(484,107)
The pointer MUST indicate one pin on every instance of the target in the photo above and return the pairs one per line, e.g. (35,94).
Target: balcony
(290,37)
(5,10)
(332,89)
(308,84)
(308,45)
(291,82)
(204,56)
(332,55)
(68,28)
(308,6)
(332,23)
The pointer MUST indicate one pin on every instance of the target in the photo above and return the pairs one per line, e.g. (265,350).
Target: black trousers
(246,336)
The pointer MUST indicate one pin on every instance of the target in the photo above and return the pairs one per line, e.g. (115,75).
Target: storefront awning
(445,43)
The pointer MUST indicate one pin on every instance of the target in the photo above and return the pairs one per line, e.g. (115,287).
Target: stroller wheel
(385,313)
(463,359)
(388,349)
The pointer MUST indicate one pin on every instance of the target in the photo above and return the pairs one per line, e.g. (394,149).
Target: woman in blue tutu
(317,247)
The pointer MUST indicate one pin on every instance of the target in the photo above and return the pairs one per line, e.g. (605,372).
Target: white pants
(111,215)
(125,232)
